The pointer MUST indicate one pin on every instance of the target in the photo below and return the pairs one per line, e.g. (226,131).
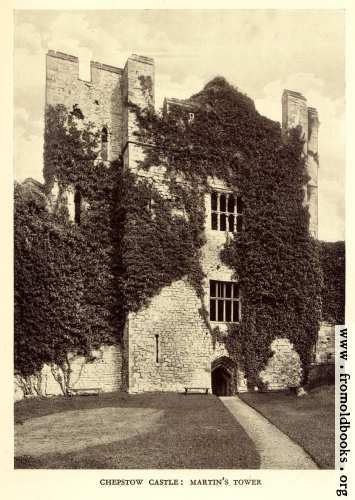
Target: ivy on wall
(332,256)
(274,258)
(76,283)
(161,238)
(66,293)
(48,285)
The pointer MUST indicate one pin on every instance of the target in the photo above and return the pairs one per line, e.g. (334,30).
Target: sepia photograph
(179,238)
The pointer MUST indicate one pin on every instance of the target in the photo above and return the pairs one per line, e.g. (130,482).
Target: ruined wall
(283,370)
(325,347)
(104,371)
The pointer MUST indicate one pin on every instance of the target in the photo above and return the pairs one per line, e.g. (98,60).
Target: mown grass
(194,431)
(308,420)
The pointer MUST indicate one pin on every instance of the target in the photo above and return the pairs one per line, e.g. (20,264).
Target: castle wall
(167,345)
(325,346)
(283,370)
(295,113)
(137,89)
(312,168)
(100,99)
(104,371)
(180,355)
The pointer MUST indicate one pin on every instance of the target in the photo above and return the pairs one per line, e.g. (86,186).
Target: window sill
(217,323)
(222,231)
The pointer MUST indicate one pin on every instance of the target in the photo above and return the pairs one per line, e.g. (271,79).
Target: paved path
(276,450)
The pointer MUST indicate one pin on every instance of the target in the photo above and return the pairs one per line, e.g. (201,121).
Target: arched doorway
(223,375)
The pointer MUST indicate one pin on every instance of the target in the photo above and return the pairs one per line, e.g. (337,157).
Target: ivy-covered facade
(203,264)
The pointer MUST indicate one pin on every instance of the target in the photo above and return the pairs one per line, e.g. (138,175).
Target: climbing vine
(49,287)
(76,284)
(66,293)
(274,259)
(332,256)
(161,238)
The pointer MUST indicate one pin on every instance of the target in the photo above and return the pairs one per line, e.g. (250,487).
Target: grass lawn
(121,431)
(308,420)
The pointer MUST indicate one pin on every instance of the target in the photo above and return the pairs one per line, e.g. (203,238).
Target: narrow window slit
(157,348)
(77,204)
(104,144)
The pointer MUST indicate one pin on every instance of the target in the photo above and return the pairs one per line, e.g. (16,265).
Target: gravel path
(276,450)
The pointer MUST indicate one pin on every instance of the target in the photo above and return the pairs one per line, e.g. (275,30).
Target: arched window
(77,203)
(104,143)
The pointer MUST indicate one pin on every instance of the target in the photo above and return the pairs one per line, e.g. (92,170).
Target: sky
(259,51)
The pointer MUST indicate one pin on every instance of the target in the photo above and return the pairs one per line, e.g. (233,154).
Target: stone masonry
(103,371)
(168,345)
(295,113)
(325,347)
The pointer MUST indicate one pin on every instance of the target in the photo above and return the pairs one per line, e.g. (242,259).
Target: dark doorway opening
(221,382)
(224,376)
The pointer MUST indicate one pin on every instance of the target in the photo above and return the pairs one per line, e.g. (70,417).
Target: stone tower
(295,113)
(167,345)
(103,101)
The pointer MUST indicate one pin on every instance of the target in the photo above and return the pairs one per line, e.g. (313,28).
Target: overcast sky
(260,52)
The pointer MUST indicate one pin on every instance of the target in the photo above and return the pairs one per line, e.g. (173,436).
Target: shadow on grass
(197,431)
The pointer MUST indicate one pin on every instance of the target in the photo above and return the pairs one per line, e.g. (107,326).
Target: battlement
(61,55)
(142,59)
(76,61)
(296,113)
(103,94)
(313,117)
(106,67)
(173,103)
(293,93)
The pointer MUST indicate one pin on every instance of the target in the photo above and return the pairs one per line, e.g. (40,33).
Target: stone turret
(295,113)
(105,101)
(137,90)
(313,164)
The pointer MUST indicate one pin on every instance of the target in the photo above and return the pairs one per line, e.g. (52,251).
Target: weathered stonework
(283,369)
(296,113)
(325,347)
(168,345)
(103,371)
(99,99)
